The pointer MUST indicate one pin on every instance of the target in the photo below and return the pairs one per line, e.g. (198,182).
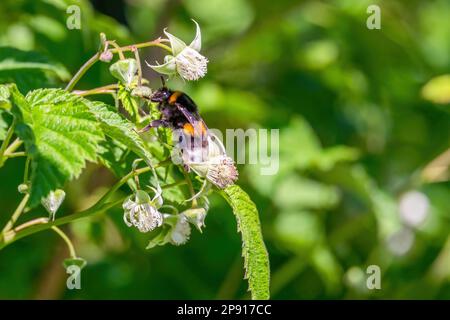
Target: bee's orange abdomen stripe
(197,130)
(188,129)
(173,98)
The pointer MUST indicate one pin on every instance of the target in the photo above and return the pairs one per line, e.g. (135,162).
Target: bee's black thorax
(167,104)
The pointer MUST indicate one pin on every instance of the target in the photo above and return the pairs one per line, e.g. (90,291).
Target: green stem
(119,50)
(16,214)
(66,239)
(15,154)
(20,232)
(122,181)
(26,171)
(9,236)
(85,67)
(13,146)
(5,143)
(101,90)
(154,43)
(138,60)
(191,188)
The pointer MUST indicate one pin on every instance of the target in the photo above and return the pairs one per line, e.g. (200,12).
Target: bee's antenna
(163,82)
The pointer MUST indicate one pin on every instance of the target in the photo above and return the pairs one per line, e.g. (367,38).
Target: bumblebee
(199,148)
(178,111)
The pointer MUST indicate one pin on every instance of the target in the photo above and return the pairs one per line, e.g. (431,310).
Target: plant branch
(110,88)
(138,60)
(26,171)
(66,239)
(85,67)
(5,143)
(15,154)
(118,49)
(16,214)
(20,232)
(191,188)
(8,236)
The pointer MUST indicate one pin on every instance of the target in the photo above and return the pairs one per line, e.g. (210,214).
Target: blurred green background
(364,121)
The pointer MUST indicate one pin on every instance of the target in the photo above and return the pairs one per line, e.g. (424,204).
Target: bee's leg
(154,124)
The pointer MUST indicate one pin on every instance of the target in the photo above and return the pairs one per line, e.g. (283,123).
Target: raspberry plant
(59,130)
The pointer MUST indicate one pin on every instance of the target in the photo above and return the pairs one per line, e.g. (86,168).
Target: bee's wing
(198,127)
(193,117)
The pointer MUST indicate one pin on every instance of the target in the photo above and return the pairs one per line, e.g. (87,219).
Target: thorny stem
(88,64)
(66,239)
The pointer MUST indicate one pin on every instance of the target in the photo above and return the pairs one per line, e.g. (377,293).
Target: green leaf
(256,258)
(119,129)
(4,97)
(116,157)
(4,124)
(129,103)
(29,70)
(60,135)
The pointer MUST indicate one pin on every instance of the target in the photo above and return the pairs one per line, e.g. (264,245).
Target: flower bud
(106,56)
(124,70)
(53,201)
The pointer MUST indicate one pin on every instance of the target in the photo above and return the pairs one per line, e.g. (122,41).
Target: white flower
(221,171)
(196,216)
(181,231)
(142,212)
(185,60)
(209,162)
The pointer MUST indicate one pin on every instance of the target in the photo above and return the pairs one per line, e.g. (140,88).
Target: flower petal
(191,65)
(196,44)
(169,67)
(176,44)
